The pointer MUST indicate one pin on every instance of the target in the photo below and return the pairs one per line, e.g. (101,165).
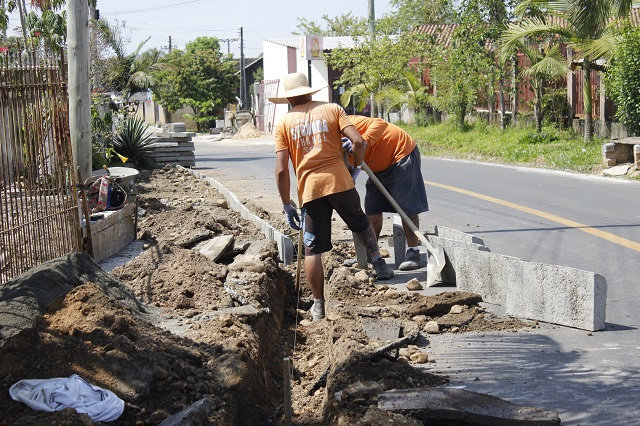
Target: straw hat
(295,84)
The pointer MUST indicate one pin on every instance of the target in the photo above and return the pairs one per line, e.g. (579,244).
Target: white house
(284,56)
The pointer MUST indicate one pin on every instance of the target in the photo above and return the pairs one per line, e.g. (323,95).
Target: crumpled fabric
(59,393)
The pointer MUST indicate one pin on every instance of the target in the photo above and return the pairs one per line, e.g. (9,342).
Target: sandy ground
(171,327)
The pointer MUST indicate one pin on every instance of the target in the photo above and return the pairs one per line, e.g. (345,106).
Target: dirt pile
(173,328)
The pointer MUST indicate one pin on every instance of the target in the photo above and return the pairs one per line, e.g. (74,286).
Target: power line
(157,7)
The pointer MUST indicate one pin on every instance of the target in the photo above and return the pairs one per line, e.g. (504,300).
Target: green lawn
(552,149)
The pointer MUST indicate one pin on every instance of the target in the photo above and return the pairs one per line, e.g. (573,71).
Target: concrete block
(399,240)
(559,295)
(451,272)
(454,406)
(114,232)
(454,234)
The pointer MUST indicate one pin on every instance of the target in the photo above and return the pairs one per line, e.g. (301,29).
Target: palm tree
(584,25)
(129,73)
(547,65)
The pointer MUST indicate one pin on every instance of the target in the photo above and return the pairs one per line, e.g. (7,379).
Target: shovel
(435,265)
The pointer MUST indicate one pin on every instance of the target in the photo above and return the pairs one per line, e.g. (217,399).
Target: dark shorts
(317,219)
(404,182)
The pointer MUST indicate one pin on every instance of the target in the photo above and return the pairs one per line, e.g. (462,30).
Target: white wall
(276,66)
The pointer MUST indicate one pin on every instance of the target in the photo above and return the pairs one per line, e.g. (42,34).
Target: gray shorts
(404,182)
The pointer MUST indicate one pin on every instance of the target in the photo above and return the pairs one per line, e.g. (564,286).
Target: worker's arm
(282,176)
(359,144)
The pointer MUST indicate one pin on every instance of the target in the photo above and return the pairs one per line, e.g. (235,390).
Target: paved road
(586,222)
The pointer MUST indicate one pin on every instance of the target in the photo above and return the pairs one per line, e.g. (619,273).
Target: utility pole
(79,92)
(228,41)
(372,38)
(170,46)
(243,77)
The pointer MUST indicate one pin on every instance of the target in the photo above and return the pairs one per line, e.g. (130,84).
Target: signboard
(311,47)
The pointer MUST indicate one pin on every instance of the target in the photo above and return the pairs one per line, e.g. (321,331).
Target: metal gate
(39,217)
(267,109)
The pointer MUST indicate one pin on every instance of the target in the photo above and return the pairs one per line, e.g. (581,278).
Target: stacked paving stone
(173,145)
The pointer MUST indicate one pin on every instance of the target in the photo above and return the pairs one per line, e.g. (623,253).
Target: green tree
(410,14)
(623,78)
(122,72)
(201,77)
(343,25)
(584,25)
(460,71)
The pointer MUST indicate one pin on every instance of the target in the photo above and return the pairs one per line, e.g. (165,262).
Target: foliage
(623,78)
(555,108)
(552,148)
(133,141)
(460,71)
(42,27)
(343,25)
(584,25)
(412,13)
(101,130)
(377,67)
(201,77)
(117,71)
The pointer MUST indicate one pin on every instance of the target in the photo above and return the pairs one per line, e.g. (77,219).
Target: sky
(184,20)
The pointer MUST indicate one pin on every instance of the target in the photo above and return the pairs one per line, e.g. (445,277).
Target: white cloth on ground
(75,392)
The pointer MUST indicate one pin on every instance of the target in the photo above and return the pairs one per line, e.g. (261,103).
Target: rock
(362,276)
(456,309)
(432,327)
(419,357)
(392,293)
(222,203)
(413,284)
(362,390)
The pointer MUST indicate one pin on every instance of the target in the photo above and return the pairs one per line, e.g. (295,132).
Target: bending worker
(394,157)
(310,135)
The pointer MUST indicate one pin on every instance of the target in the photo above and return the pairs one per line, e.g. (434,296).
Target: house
(284,56)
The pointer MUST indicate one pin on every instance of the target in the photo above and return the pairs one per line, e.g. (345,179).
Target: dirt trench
(172,328)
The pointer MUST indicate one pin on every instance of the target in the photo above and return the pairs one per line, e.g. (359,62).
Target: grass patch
(552,148)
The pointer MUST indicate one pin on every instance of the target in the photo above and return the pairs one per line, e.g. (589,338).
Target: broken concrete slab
(383,330)
(285,244)
(216,247)
(439,404)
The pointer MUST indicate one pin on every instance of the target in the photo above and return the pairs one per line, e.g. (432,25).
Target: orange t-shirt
(386,143)
(312,134)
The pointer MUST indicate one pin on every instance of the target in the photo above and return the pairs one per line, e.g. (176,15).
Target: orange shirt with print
(312,134)
(386,143)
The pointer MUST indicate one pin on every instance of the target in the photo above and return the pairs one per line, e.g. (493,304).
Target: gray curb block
(538,291)
(285,245)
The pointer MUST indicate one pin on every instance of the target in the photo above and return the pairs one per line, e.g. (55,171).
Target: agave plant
(134,142)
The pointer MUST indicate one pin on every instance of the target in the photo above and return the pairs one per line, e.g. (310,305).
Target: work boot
(383,272)
(317,310)
(411,260)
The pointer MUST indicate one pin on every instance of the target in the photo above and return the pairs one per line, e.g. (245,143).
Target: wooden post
(79,92)
(286,368)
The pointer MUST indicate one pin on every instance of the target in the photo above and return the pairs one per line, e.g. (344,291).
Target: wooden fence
(39,217)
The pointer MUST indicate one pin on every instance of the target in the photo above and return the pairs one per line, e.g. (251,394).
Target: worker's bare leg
(315,274)
(412,239)
(376,223)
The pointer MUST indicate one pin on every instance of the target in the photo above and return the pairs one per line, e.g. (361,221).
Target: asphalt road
(585,222)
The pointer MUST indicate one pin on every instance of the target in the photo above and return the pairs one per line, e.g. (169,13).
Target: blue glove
(347,145)
(354,172)
(292,216)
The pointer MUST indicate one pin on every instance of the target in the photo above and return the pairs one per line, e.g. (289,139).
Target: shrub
(134,142)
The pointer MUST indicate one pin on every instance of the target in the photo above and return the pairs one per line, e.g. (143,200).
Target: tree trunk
(22,11)
(514,88)
(463,112)
(503,124)
(588,102)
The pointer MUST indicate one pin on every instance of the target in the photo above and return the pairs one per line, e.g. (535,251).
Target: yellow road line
(582,227)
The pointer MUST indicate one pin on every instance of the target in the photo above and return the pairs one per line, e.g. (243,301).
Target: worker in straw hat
(310,135)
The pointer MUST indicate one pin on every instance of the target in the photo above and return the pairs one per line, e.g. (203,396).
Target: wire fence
(39,217)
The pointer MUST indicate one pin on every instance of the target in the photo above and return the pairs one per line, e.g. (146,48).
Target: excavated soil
(172,327)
